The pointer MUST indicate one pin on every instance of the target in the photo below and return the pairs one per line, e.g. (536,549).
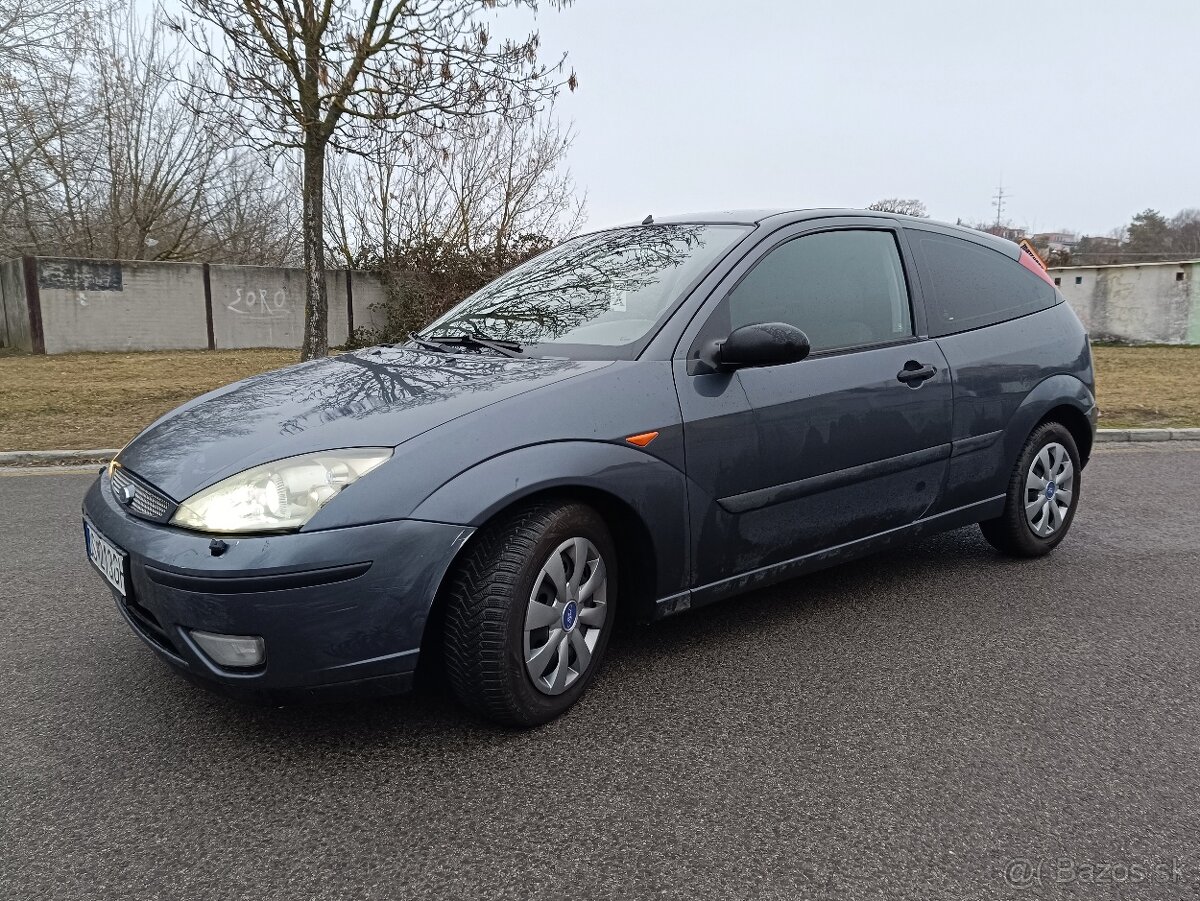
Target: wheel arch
(635,493)
(1076,422)
(1063,398)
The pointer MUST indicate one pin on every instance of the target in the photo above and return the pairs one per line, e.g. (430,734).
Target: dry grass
(78,401)
(1148,387)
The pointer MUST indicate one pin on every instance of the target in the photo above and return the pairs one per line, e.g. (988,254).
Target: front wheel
(1042,496)
(529,613)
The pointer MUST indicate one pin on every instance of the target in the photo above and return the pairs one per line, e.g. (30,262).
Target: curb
(103,455)
(57,457)
(1138,436)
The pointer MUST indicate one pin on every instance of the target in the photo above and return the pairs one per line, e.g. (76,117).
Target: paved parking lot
(936,722)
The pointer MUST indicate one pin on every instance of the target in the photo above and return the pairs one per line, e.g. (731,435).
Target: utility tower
(998,203)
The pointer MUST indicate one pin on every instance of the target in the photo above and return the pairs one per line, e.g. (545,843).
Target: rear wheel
(529,613)
(1043,493)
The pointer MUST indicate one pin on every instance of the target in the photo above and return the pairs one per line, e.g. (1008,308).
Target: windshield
(602,291)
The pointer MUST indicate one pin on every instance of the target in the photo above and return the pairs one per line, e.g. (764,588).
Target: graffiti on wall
(260,303)
(80,275)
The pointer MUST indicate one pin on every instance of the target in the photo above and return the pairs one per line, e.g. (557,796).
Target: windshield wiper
(430,345)
(504,348)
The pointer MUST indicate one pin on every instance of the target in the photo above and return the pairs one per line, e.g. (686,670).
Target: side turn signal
(643,439)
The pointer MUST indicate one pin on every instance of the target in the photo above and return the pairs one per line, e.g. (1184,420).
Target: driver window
(842,288)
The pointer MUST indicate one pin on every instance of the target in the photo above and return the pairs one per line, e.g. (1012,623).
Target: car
(637,422)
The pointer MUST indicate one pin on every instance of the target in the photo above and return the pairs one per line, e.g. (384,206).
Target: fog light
(232,650)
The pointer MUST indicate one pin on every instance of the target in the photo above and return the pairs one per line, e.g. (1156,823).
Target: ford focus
(638,422)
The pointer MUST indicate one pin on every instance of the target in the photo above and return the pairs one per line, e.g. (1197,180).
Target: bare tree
(38,59)
(905,207)
(35,31)
(158,162)
(251,212)
(380,196)
(477,189)
(506,181)
(439,215)
(1186,226)
(100,158)
(311,75)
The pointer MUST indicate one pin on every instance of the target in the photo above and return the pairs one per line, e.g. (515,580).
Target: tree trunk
(316,295)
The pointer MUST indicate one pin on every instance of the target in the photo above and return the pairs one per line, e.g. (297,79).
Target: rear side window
(968,285)
(842,288)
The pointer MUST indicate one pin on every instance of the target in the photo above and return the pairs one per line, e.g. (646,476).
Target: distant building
(1055,242)
(1095,250)
(1005,231)
(1135,303)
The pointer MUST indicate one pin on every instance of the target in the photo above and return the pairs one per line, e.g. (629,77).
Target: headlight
(276,496)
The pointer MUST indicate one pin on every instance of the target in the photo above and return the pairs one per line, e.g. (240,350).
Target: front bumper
(341,609)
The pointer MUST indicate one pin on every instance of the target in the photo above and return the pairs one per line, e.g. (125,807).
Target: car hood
(379,397)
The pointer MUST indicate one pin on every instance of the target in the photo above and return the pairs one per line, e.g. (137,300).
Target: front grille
(148,502)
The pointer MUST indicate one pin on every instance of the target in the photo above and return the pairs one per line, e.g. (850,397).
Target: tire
(509,581)
(1035,519)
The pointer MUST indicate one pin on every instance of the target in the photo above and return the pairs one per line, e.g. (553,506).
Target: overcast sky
(1088,111)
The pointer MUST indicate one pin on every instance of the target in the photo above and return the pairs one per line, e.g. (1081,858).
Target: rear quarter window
(967,285)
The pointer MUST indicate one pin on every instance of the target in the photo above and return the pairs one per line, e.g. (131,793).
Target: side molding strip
(790,491)
(842,553)
(974,443)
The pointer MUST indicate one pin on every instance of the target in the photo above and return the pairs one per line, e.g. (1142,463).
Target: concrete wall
(14,312)
(339,310)
(368,295)
(1147,303)
(103,305)
(261,306)
(256,306)
(107,305)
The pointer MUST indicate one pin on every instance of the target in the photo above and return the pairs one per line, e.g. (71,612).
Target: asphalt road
(930,723)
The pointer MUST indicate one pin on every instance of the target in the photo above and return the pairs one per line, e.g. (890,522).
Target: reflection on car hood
(377,397)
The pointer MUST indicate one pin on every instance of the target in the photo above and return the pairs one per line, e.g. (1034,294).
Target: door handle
(913,373)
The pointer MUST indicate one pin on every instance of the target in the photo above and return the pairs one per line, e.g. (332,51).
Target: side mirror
(761,344)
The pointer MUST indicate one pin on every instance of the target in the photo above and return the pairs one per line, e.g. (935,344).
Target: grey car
(637,422)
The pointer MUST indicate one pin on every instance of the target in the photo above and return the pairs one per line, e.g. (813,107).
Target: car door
(793,459)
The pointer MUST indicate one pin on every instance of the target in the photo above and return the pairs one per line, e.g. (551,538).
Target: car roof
(714,217)
(778,217)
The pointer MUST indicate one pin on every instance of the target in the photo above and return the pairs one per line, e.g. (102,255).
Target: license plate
(105,556)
